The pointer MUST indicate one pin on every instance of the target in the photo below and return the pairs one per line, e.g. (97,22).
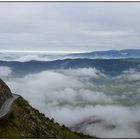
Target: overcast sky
(63,26)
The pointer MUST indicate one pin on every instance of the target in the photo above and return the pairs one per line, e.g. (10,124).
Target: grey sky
(69,26)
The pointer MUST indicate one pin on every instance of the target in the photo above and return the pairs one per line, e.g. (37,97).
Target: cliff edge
(5,92)
(23,121)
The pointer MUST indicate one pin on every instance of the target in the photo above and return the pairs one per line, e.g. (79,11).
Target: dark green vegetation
(27,122)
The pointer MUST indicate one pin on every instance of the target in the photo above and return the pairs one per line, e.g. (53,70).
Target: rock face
(5,92)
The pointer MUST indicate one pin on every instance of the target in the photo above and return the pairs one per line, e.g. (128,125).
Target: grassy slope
(27,122)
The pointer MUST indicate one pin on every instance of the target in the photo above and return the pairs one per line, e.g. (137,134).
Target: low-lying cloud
(106,108)
(24,57)
(5,71)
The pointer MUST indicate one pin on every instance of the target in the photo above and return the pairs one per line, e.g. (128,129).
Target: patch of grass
(27,122)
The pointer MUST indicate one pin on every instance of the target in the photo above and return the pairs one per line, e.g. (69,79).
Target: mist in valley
(84,99)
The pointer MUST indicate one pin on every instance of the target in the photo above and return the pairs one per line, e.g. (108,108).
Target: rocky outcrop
(5,92)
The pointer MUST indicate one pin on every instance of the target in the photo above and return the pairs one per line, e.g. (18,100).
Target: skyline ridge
(61,52)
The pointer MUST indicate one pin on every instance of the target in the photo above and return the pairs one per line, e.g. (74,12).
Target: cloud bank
(85,98)
(5,71)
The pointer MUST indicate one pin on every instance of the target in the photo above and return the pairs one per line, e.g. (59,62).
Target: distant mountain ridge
(109,54)
(107,66)
(126,53)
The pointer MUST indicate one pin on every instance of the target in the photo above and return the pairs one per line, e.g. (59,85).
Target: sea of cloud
(84,99)
(24,57)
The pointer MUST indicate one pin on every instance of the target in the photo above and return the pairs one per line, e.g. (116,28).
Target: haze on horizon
(69,26)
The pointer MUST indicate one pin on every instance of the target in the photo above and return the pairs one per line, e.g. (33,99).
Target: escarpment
(5,92)
(24,121)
